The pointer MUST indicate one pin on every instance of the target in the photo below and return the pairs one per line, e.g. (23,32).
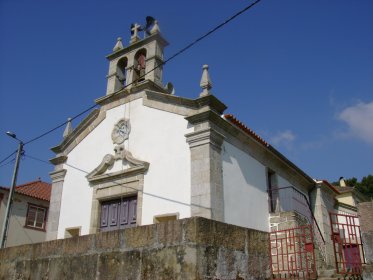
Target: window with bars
(36,216)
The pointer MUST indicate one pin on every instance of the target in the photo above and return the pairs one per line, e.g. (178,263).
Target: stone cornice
(212,102)
(59,159)
(154,92)
(123,93)
(209,101)
(155,37)
(130,172)
(206,115)
(74,135)
(347,206)
(205,136)
(58,176)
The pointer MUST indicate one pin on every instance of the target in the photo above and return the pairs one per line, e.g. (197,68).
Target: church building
(148,156)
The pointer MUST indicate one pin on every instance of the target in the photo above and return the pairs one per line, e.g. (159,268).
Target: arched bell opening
(122,71)
(140,66)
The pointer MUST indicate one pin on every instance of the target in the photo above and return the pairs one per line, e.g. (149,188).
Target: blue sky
(299,73)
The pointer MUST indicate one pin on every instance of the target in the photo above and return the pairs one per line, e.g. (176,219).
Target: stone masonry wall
(194,248)
(286,220)
(366,221)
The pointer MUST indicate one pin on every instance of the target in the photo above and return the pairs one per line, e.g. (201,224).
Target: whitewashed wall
(245,189)
(156,137)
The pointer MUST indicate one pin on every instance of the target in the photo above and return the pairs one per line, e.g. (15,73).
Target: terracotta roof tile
(344,189)
(232,119)
(36,189)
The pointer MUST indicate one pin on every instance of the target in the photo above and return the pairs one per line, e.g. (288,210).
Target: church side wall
(156,137)
(245,189)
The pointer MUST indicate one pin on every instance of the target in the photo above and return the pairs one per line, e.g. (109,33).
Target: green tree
(366,186)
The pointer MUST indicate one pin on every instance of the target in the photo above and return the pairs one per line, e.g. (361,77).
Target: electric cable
(8,157)
(159,65)
(9,162)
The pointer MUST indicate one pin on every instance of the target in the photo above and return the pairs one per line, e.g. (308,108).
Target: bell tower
(140,61)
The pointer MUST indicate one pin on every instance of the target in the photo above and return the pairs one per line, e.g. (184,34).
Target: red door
(351,253)
(347,243)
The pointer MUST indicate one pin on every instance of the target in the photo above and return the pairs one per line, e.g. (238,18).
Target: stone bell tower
(139,62)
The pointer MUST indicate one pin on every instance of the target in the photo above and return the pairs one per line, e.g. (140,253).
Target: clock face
(120,131)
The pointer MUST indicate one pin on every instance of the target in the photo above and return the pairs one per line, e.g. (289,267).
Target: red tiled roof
(36,189)
(232,119)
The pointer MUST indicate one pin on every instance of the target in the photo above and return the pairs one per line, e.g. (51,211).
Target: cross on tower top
(135,28)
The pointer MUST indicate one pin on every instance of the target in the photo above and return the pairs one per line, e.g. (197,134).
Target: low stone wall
(366,221)
(194,248)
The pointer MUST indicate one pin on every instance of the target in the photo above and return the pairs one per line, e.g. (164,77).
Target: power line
(59,126)
(38,159)
(9,162)
(212,31)
(8,157)
(161,64)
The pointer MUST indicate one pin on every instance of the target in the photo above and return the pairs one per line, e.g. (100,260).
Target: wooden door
(118,214)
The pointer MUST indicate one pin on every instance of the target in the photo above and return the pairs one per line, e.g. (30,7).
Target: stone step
(328,273)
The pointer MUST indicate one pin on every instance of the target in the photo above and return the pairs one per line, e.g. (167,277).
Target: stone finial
(118,46)
(68,128)
(205,83)
(155,28)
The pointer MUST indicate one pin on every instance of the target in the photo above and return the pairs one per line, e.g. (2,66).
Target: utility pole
(4,232)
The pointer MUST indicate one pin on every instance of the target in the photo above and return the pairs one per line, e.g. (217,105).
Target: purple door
(118,214)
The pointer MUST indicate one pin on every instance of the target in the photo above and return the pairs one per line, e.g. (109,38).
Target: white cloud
(284,138)
(359,119)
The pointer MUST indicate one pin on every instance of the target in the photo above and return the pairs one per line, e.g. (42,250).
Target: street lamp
(4,232)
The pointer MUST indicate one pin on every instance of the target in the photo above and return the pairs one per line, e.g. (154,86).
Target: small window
(72,232)
(165,218)
(36,216)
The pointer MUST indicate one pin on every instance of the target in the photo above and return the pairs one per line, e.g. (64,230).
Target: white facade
(162,144)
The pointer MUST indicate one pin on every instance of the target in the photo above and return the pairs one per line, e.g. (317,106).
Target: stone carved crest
(119,135)
(121,131)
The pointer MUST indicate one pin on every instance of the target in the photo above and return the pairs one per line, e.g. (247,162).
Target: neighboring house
(342,202)
(147,156)
(348,198)
(29,213)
